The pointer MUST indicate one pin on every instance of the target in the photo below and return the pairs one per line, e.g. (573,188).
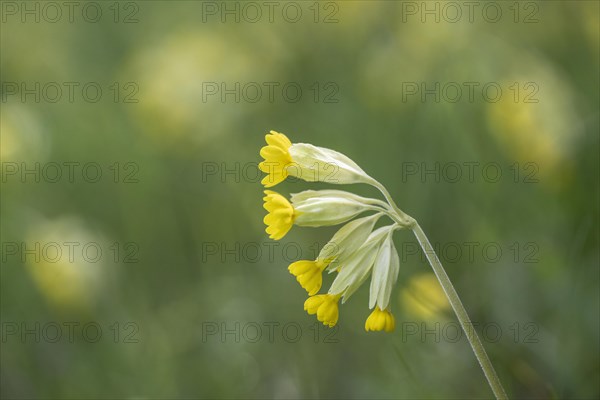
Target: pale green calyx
(384,275)
(346,240)
(313,163)
(328,207)
(357,266)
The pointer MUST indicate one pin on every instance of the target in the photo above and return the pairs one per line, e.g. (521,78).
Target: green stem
(406,221)
(461,313)
(401,217)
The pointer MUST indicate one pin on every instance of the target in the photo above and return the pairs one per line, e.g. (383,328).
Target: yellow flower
(380,320)
(309,274)
(325,306)
(282,158)
(277,158)
(281,215)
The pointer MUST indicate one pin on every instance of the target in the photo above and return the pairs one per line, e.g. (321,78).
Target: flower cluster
(356,251)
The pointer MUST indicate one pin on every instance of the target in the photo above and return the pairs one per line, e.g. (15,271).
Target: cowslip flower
(380,320)
(282,158)
(329,207)
(377,257)
(309,274)
(347,239)
(325,306)
(320,208)
(356,252)
(277,158)
(281,215)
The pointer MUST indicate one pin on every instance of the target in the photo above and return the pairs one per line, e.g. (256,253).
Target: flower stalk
(463,318)
(406,221)
(461,313)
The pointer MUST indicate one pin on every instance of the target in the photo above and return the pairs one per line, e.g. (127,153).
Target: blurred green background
(190,299)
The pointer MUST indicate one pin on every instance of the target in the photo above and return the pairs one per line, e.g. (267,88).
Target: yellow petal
(273,179)
(300,267)
(328,312)
(281,215)
(312,304)
(278,139)
(273,152)
(380,320)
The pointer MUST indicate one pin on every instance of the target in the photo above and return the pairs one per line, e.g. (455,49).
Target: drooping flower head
(356,251)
